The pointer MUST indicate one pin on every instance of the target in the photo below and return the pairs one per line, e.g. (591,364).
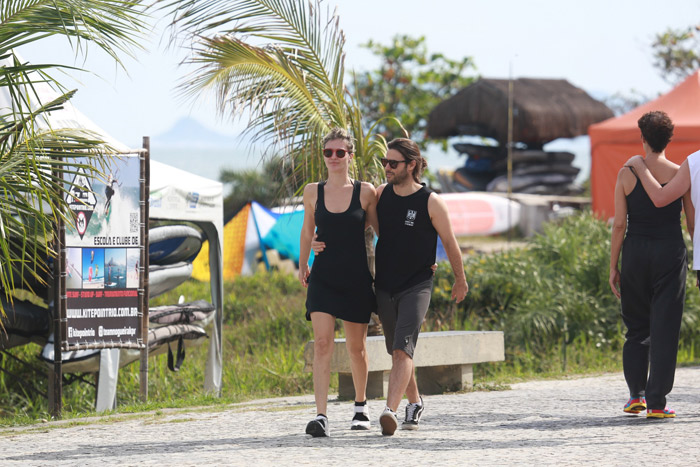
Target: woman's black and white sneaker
(360,421)
(414,411)
(318,427)
(388,422)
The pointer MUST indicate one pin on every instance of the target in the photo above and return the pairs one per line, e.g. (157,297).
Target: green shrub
(552,300)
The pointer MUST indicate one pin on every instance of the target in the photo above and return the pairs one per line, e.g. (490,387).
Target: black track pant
(653,292)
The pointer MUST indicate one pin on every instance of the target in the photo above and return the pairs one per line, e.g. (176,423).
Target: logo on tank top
(410,218)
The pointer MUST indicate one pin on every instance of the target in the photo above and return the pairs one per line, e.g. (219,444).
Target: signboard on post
(104,257)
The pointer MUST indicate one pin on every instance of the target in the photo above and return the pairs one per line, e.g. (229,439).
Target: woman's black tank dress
(340,283)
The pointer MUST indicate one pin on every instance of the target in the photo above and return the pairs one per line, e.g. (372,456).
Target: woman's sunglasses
(339,153)
(392,163)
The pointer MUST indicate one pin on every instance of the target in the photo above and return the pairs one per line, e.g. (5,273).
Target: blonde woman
(339,286)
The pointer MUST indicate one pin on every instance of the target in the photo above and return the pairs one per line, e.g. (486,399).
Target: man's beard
(399,177)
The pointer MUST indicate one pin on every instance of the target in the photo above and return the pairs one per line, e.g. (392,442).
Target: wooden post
(143,278)
(58,297)
(509,148)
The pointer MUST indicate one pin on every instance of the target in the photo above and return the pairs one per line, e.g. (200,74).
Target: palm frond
(33,168)
(281,62)
(112,25)
(311,38)
(275,39)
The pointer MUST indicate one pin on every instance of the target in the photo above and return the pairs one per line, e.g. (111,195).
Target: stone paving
(563,422)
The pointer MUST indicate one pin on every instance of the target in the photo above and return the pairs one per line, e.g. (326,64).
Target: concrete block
(441,379)
(443,361)
(377,385)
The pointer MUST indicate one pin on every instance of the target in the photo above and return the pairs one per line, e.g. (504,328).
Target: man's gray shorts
(402,315)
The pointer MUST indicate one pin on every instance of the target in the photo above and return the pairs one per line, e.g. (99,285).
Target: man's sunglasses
(392,163)
(339,153)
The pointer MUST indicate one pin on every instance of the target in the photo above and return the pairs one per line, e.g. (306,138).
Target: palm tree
(282,63)
(35,158)
(273,182)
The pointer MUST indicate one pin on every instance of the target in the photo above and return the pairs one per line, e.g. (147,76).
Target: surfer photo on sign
(109,192)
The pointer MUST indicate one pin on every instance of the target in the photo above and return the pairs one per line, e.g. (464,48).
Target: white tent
(174,195)
(179,195)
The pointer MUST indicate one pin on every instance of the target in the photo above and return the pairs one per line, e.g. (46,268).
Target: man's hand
(636,162)
(316,246)
(459,291)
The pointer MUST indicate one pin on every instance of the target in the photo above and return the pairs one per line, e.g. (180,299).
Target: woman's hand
(304,272)
(615,282)
(316,246)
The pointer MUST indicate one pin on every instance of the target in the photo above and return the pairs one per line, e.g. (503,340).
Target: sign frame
(103,302)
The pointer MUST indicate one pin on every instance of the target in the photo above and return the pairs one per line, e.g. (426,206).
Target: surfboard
(475,213)
(167,277)
(169,244)
(199,312)
(521,182)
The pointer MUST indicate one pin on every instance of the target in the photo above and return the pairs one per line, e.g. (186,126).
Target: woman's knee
(323,346)
(356,350)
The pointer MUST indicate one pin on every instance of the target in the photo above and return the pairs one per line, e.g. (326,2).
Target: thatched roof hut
(543,110)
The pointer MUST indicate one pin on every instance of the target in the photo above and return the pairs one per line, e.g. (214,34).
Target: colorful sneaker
(318,427)
(360,421)
(635,405)
(658,413)
(388,421)
(414,411)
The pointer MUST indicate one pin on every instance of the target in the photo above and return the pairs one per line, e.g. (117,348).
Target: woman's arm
(661,195)
(307,231)
(368,196)
(618,232)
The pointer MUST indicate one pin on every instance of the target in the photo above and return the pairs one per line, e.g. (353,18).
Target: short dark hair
(410,152)
(657,129)
(340,133)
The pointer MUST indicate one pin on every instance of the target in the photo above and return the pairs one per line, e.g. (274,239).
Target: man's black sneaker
(414,412)
(360,421)
(318,427)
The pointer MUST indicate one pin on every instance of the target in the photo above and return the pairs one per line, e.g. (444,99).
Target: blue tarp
(285,234)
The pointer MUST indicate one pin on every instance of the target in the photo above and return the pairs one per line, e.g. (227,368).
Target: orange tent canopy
(615,140)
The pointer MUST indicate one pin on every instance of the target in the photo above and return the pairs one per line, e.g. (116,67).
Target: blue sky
(602,46)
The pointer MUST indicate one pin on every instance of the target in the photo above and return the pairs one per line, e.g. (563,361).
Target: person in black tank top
(410,219)
(651,282)
(339,285)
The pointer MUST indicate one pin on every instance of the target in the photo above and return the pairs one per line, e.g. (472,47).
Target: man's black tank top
(407,240)
(645,219)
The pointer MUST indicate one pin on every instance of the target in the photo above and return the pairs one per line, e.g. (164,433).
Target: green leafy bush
(552,299)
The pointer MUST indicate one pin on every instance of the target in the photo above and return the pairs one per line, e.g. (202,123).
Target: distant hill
(188,132)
